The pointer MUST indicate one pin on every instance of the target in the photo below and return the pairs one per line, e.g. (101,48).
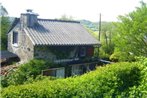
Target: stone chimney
(28,19)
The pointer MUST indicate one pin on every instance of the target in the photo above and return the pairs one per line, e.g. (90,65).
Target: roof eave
(96,44)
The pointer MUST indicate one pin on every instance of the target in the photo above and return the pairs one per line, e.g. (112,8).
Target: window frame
(82,51)
(15,38)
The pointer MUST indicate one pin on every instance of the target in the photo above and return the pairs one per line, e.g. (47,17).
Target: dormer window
(15,38)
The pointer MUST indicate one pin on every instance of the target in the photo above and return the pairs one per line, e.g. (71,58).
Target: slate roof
(59,32)
(14,21)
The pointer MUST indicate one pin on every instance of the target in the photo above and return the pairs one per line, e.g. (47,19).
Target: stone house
(56,40)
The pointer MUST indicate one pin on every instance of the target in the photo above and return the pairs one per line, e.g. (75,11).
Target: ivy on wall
(61,52)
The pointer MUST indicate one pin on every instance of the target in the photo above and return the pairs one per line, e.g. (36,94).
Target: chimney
(28,19)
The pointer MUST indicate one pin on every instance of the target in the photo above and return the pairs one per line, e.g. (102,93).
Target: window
(90,51)
(77,70)
(56,72)
(83,51)
(15,38)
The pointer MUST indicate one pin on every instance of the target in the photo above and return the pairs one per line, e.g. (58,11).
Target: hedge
(114,80)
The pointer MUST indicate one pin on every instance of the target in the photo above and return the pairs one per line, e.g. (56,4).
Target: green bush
(115,80)
(103,54)
(141,90)
(122,56)
(25,72)
(115,57)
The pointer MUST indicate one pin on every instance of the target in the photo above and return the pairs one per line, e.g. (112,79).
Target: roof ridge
(58,20)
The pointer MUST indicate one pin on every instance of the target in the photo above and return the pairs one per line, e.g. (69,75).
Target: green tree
(5,24)
(107,47)
(65,17)
(3,11)
(131,36)
(107,30)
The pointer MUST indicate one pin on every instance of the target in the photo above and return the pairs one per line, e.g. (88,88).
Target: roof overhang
(7,55)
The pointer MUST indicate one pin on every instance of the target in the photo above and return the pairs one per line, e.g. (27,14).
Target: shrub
(26,72)
(115,57)
(122,56)
(141,90)
(115,80)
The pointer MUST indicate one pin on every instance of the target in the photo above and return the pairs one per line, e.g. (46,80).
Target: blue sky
(78,9)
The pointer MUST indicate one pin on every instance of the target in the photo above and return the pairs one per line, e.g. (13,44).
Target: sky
(78,9)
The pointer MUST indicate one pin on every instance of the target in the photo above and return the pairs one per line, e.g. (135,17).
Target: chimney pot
(29,10)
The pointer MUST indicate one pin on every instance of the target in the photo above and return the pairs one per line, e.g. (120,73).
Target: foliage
(65,17)
(141,90)
(106,38)
(107,33)
(121,56)
(26,72)
(131,35)
(115,80)
(3,11)
(61,52)
(5,24)
(106,50)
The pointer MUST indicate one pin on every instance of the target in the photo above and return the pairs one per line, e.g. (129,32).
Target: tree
(5,24)
(3,11)
(65,17)
(107,47)
(131,36)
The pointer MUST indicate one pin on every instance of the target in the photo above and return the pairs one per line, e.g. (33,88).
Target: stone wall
(24,49)
(43,52)
(54,52)
(64,53)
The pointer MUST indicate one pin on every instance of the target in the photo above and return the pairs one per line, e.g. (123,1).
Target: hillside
(94,26)
(91,25)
